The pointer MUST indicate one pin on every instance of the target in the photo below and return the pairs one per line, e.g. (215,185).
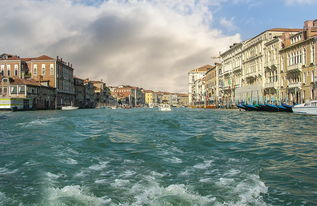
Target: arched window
(312,54)
(35,69)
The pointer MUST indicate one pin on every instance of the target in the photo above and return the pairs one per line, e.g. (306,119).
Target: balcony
(226,72)
(226,88)
(237,68)
(271,85)
(250,75)
(295,67)
(295,85)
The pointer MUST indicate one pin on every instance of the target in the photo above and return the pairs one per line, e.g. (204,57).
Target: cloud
(151,44)
(291,2)
(228,24)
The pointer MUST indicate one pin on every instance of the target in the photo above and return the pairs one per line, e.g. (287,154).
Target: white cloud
(291,2)
(151,44)
(228,24)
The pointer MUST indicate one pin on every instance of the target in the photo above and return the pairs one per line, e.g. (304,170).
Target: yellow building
(149,97)
(299,70)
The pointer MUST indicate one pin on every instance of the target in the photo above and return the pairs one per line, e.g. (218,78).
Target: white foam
(157,174)
(128,173)
(154,194)
(175,149)
(69,161)
(248,191)
(120,183)
(39,122)
(205,180)
(80,174)
(72,195)
(174,160)
(52,176)
(101,181)
(204,165)
(6,171)
(187,172)
(100,166)
(3,198)
(232,172)
(224,181)
(30,163)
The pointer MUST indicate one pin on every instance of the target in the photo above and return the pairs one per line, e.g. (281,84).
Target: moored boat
(306,108)
(271,108)
(281,108)
(250,107)
(165,108)
(69,108)
(288,107)
(240,106)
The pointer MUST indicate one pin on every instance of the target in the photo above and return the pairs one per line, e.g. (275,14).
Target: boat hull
(66,108)
(299,109)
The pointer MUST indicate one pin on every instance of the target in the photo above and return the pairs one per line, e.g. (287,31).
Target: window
(312,76)
(8,70)
(16,70)
(35,69)
(2,70)
(13,89)
(21,89)
(51,69)
(43,69)
(312,54)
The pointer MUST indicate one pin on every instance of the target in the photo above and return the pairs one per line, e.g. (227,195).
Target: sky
(147,43)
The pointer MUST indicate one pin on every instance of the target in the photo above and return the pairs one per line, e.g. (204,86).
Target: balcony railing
(271,85)
(237,68)
(295,67)
(294,85)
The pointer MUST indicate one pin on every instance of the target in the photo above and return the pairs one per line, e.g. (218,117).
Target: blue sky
(252,17)
(146,43)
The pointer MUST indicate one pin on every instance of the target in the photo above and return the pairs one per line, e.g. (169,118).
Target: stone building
(25,94)
(195,84)
(299,70)
(211,87)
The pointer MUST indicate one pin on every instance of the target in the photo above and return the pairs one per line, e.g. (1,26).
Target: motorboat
(165,108)
(306,108)
(69,108)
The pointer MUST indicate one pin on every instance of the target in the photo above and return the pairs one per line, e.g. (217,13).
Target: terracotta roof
(285,29)
(18,81)
(148,91)
(43,57)
(202,69)
(182,95)
(97,82)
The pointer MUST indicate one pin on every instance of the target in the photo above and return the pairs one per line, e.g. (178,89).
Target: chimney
(308,24)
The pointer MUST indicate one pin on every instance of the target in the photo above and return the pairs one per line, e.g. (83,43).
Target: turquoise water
(147,157)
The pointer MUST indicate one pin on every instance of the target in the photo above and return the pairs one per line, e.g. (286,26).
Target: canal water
(146,157)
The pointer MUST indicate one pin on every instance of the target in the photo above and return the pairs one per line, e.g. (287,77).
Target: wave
(39,122)
(72,195)
(6,171)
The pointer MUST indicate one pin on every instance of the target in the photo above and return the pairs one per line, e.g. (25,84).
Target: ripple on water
(204,165)
(72,195)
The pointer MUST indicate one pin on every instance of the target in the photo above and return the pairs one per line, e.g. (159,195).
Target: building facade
(299,71)
(196,95)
